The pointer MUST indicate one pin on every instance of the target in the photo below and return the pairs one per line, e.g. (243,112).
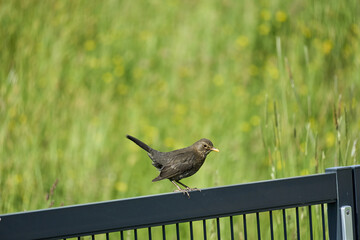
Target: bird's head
(205,146)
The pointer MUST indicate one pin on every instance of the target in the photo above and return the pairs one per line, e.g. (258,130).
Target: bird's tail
(140,143)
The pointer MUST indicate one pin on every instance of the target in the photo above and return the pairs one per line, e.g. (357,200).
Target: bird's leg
(184,191)
(189,188)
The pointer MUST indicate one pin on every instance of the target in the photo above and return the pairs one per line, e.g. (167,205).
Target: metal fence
(322,206)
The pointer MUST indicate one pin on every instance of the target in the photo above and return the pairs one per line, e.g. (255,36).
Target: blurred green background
(275,86)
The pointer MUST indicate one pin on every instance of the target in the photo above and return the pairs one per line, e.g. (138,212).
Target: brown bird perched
(178,164)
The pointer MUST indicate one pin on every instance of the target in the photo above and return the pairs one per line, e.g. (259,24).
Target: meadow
(275,86)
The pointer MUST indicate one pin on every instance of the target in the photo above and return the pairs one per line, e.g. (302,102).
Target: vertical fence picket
(310,223)
(231,228)
(271,225)
(258,225)
(149,233)
(177,231)
(297,223)
(204,229)
(284,223)
(244,224)
(135,234)
(218,228)
(163,232)
(191,230)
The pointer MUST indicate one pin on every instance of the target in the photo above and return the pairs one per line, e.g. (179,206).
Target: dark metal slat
(204,229)
(231,227)
(345,197)
(122,235)
(177,231)
(218,228)
(258,225)
(163,232)
(149,233)
(191,230)
(310,223)
(245,227)
(284,223)
(135,234)
(142,212)
(271,225)
(297,223)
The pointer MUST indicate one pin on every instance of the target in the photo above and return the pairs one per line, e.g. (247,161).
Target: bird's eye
(205,145)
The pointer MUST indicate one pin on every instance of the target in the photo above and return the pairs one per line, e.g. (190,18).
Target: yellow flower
(119,70)
(145,35)
(180,109)
(170,142)
(273,72)
(93,62)
(89,45)
(122,89)
(12,112)
(117,60)
(279,165)
(330,139)
(347,51)
(280,16)
(313,123)
(245,127)
(107,77)
(121,186)
(258,99)
(151,132)
(303,90)
(138,73)
(242,41)
(302,147)
(254,70)
(255,120)
(264,29)
(265,14)
(184,72)
(239,91)
(18,178)
(218,80)
(23,118)
(304,172)
(306,31)
(327,46)
(355,29)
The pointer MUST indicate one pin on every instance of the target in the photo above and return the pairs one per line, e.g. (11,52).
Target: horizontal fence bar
(169,208)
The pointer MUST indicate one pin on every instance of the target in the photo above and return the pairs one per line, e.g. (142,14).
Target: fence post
(345,197)
(356,174)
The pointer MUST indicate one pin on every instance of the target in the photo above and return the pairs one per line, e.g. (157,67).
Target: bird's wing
(177,165)
(170,171)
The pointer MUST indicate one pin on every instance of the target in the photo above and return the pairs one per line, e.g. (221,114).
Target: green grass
(275,86)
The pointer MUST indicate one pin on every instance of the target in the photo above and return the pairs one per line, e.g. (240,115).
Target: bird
(180,163)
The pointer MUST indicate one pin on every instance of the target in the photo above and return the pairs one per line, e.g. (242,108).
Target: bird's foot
(184,191)
(193,189)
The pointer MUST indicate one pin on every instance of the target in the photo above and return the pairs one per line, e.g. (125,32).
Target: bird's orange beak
(215,149)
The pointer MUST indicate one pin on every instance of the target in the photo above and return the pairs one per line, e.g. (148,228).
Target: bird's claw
(193,189)
(184,191)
